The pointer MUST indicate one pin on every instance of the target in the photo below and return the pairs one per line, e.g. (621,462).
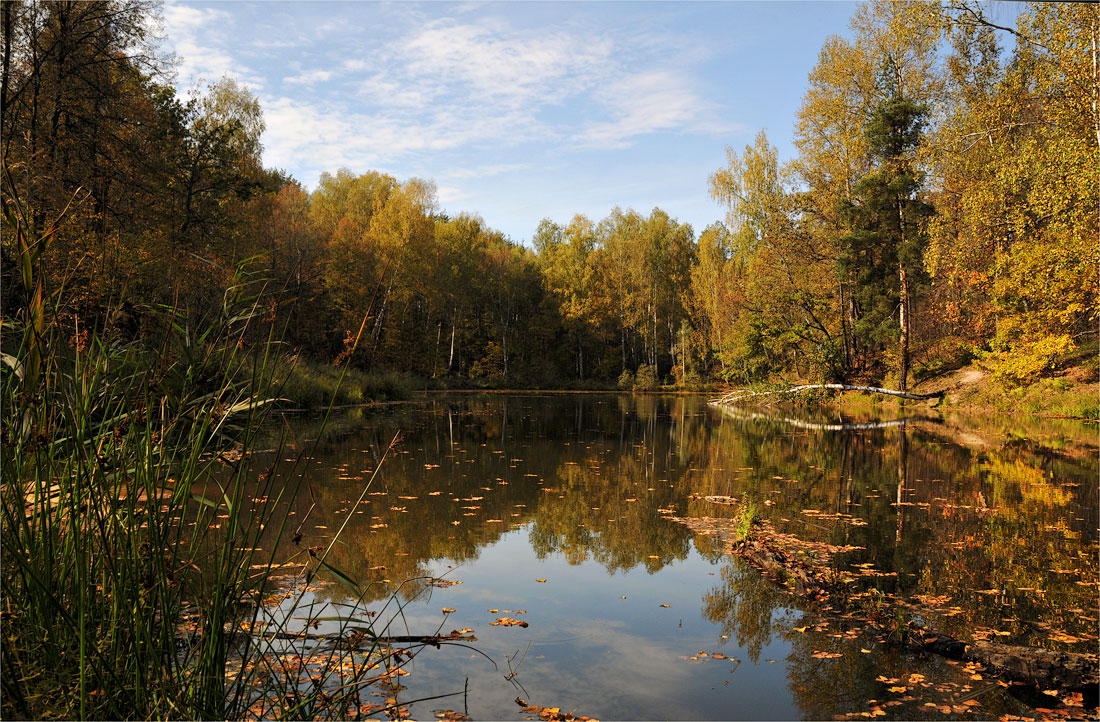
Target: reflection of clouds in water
(591,664)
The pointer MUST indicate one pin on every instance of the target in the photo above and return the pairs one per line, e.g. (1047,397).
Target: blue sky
(517,110)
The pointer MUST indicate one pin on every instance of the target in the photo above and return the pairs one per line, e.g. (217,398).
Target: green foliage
(626,380)
(646,378)
(748,516)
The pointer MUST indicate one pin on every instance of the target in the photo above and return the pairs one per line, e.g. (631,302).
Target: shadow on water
(639,618)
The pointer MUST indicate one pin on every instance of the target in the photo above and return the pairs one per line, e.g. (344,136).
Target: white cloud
(485,171)
(451,194)
(308,77)
(445,85)
(318,137)
(194,35)
(648,102)
(492,63)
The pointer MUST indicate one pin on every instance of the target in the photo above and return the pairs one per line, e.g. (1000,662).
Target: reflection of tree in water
(748,607)
(946,520)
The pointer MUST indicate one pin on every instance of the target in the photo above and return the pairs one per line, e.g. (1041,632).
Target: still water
(552,509)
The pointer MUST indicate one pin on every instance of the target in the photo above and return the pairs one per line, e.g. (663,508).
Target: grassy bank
(304,384)
(301,383)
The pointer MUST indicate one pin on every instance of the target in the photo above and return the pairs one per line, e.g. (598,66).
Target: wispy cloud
(309,77)
(194,34)
(648,102)
(493,63)
(486,171)
(468,82)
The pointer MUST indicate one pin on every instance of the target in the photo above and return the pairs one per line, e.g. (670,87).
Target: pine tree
(886,220)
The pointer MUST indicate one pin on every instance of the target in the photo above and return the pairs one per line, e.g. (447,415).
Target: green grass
(305,384)
(748,516)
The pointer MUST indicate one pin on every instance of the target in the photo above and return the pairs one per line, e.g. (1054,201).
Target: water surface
(552,509)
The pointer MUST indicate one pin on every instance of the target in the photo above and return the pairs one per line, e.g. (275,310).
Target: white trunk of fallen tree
(739,395)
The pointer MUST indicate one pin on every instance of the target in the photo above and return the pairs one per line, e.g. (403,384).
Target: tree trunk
(844,330)
(451,357)
(903,478)
(580,356)
(903,313)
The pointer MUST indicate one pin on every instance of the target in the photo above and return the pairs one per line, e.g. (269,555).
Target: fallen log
(739,395)
(358,637)
(1069,671)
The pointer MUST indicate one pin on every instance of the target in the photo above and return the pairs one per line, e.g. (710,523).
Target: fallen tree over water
(741,394)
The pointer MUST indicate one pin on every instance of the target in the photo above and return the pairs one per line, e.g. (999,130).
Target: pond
(557,510)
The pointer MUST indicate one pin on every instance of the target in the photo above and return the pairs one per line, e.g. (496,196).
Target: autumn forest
(942,205)
(211,509)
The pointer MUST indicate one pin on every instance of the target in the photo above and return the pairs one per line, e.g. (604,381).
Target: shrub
(646,378)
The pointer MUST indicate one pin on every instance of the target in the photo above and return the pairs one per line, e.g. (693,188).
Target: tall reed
(106,446)
(132,532)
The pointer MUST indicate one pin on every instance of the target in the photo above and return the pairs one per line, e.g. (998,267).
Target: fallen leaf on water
(800,630)
(826,655)
(508,622)
(448,610)
(865,651)
(665,606)
(540,580)
(899,689)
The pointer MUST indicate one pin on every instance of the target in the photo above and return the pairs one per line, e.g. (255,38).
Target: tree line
(941,205)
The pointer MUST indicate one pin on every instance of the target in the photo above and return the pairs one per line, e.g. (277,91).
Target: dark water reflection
(500,491)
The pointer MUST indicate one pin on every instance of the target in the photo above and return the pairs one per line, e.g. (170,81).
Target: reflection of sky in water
(590,649)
